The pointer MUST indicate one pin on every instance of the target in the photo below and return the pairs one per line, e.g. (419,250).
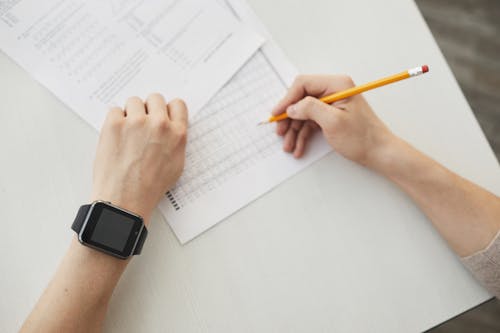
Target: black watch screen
(111,230)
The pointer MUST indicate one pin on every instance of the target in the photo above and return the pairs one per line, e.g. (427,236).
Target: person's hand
(140,154)
(350,126)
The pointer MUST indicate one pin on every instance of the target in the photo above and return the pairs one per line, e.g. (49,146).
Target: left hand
(140,154)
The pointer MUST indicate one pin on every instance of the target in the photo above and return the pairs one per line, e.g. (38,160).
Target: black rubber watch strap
(141,241)
(80,218)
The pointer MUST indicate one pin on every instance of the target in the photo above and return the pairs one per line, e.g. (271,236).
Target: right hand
(350,126)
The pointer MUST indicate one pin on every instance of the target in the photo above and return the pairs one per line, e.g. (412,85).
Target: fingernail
(291,110)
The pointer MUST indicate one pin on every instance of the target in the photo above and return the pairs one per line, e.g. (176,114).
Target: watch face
(111,229)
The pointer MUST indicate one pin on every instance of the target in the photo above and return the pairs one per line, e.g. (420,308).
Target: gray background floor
(468,33)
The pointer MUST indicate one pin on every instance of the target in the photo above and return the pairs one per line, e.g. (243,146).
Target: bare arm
(140,155)
(467,216)
(77,298)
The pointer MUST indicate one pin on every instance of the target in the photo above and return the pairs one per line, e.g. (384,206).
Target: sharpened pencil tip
(262,122)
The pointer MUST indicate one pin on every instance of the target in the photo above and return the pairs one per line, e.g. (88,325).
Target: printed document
(215,54)
(93,54)
(230,161)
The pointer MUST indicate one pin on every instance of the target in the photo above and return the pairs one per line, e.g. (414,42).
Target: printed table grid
(223,138)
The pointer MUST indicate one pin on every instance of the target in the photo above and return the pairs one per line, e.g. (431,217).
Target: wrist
(97,258)
(394,158)
(102,269)
(398,161)
(385,150)
(131,205)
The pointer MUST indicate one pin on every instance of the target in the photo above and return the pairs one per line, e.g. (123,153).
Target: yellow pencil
(360,89)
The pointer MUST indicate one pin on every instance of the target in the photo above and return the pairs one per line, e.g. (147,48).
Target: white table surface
(350,253)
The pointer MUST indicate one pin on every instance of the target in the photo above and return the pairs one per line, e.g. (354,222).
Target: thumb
(313,109)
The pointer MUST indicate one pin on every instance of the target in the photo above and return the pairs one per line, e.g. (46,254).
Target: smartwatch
(110,229)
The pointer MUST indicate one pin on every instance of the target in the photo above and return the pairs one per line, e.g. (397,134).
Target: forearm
(77,297)
(467,216)
(140,155)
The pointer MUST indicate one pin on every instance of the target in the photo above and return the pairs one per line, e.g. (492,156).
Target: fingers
(156,106)
(291,137)
(296,125)
(302,138)
(115,116)
(302,86)
(295,139)
(312,85)
(112,125)
(135,108)
(311,108)
(282,127)
(177,111)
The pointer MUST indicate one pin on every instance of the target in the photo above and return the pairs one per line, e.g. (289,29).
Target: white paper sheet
(230,160)
(96,53)
(93,53)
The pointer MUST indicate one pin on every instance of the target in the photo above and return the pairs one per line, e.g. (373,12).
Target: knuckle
(299,80)
(347,79)
(155,97)
(134,99)
(112,120)
(309,101)
(114,123)
(179,102)
(114,109)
